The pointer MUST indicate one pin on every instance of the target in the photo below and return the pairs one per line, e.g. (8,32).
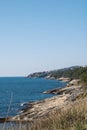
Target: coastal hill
(54,73)
(74,72)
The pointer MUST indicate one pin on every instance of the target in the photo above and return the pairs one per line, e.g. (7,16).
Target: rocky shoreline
(36,110)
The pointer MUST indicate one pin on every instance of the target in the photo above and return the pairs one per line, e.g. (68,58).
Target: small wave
(23,104)
(20,112)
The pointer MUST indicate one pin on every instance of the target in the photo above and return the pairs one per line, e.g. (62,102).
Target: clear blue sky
(38,35)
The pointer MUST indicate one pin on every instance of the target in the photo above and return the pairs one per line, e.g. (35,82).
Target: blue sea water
(16,90)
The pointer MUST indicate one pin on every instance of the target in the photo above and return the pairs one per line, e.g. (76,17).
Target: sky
(41,35)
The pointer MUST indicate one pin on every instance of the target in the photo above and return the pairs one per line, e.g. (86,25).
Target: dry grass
(72,117)
(82,95)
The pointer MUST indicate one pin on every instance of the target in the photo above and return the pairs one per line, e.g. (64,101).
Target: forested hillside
(76,72)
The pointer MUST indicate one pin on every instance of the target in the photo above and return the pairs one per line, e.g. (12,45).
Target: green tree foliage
(83,78)
(71,72)
(74,73)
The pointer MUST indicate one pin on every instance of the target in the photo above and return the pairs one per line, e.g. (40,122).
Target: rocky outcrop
(36,110)
(71,87)
(64,79)
(40,108)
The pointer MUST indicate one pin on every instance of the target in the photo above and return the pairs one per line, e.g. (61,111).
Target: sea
(17,92)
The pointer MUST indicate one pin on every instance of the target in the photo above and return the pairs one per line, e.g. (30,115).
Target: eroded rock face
(64,79)
(66,90)
(41,108)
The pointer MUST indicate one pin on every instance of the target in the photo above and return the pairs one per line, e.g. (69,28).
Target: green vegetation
(83,77)
(76,72)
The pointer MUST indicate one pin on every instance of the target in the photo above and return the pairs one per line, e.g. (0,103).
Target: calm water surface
(14,91)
